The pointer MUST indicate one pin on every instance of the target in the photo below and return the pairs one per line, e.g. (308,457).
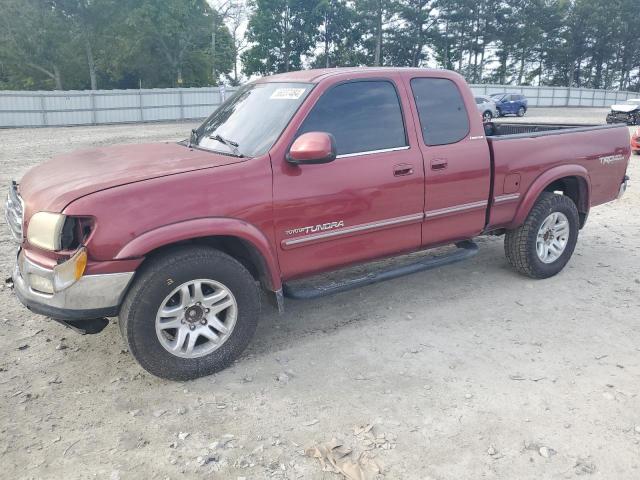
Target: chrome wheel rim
(553,237)
(487,116)
(196,318)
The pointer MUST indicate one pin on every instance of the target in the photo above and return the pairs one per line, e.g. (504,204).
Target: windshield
(498,96)
(249,122)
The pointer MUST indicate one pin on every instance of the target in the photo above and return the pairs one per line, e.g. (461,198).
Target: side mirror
(312,148)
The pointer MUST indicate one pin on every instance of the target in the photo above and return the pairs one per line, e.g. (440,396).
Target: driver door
(365,204)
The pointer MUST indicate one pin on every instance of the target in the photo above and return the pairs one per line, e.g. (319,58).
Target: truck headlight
(54,231)
(45,230)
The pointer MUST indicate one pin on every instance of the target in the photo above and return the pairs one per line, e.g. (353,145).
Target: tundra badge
(316,228)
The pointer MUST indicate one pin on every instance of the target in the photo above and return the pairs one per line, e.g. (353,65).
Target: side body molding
(548,177)
(207,227)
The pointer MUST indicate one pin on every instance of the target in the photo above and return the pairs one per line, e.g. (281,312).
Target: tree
(339,36)
(85,19)
(176,34)
(34,44)
(282,32)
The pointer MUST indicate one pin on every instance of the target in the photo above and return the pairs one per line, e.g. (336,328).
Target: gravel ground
(465,372)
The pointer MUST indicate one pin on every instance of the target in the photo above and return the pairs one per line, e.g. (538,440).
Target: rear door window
(363,116)
(443,115)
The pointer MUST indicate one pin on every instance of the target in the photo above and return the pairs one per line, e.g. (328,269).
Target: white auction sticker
(287,93)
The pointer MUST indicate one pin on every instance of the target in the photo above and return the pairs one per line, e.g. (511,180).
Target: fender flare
(544,180)
(207,227)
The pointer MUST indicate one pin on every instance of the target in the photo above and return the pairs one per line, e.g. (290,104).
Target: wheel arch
(570,180)
(236,238)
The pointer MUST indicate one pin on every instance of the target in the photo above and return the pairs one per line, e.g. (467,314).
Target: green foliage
(282,33)
(77,44)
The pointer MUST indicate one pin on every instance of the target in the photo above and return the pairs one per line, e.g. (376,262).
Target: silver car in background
(486,107)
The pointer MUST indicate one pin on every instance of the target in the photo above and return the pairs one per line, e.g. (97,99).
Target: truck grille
(14,212)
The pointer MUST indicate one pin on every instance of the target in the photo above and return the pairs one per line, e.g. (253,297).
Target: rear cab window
(364,116)
(441,110)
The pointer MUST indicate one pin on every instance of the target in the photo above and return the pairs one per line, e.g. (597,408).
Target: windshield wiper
(229,143)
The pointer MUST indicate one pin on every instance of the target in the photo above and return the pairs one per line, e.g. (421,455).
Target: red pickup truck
(295,175)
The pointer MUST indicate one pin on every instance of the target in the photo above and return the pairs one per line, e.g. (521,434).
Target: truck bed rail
(499,131)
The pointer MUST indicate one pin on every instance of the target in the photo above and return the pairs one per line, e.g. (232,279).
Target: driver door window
(362,117)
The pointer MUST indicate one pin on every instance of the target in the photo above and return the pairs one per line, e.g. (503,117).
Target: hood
(52,185)
(624,108)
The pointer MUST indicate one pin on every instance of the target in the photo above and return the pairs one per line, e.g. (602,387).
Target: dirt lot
(469,372)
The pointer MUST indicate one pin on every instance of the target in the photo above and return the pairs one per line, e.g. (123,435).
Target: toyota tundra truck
(296,175)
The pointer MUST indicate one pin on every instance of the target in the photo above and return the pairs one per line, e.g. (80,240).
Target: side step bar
(465,250)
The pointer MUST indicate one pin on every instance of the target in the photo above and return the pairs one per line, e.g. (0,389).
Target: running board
(465,250)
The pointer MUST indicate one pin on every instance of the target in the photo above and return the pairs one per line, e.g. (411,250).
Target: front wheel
(542,246)
(521,112)
(487,116)
(190,313)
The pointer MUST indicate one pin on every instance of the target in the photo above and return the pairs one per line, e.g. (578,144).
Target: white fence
(87,107)
(59,108)
(560,96)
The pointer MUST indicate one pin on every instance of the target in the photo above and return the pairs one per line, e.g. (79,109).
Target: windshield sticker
(287,93)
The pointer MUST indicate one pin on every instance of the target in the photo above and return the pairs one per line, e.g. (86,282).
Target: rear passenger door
(456,161)
(365,204)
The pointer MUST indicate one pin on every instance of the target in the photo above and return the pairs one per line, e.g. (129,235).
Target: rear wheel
(521,112)
(190,313)
(542,246)
(487,116)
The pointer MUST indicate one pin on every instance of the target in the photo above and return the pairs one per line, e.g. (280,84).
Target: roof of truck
(316,75)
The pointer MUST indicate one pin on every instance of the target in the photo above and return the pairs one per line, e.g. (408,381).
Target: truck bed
(521,153)
(520,130)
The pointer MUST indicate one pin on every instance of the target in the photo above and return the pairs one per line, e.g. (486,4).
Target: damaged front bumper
(91,297)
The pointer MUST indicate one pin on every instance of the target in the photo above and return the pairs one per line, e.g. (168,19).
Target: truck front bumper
(92,296)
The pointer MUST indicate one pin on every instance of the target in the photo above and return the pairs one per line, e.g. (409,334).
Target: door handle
(402,170)
(439,163)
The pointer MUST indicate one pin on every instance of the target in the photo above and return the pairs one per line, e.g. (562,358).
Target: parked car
(627,113)
(510,104)
(635,142)
(294,175)
(487,108)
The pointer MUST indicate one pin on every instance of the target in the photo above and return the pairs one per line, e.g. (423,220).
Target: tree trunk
(504,56)
(57,77)
(597,78)
(91,62)
(446,45)
(54,74)
(482,53)
(521,69)
(378,54)
(213,50)
(327,63)
(417,50)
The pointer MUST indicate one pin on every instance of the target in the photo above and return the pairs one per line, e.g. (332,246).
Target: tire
(520,245)
(487,116)
(499,112)
(521,112)
(207,268)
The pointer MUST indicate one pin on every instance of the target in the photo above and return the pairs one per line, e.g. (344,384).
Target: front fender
(205,227)
(544,180)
